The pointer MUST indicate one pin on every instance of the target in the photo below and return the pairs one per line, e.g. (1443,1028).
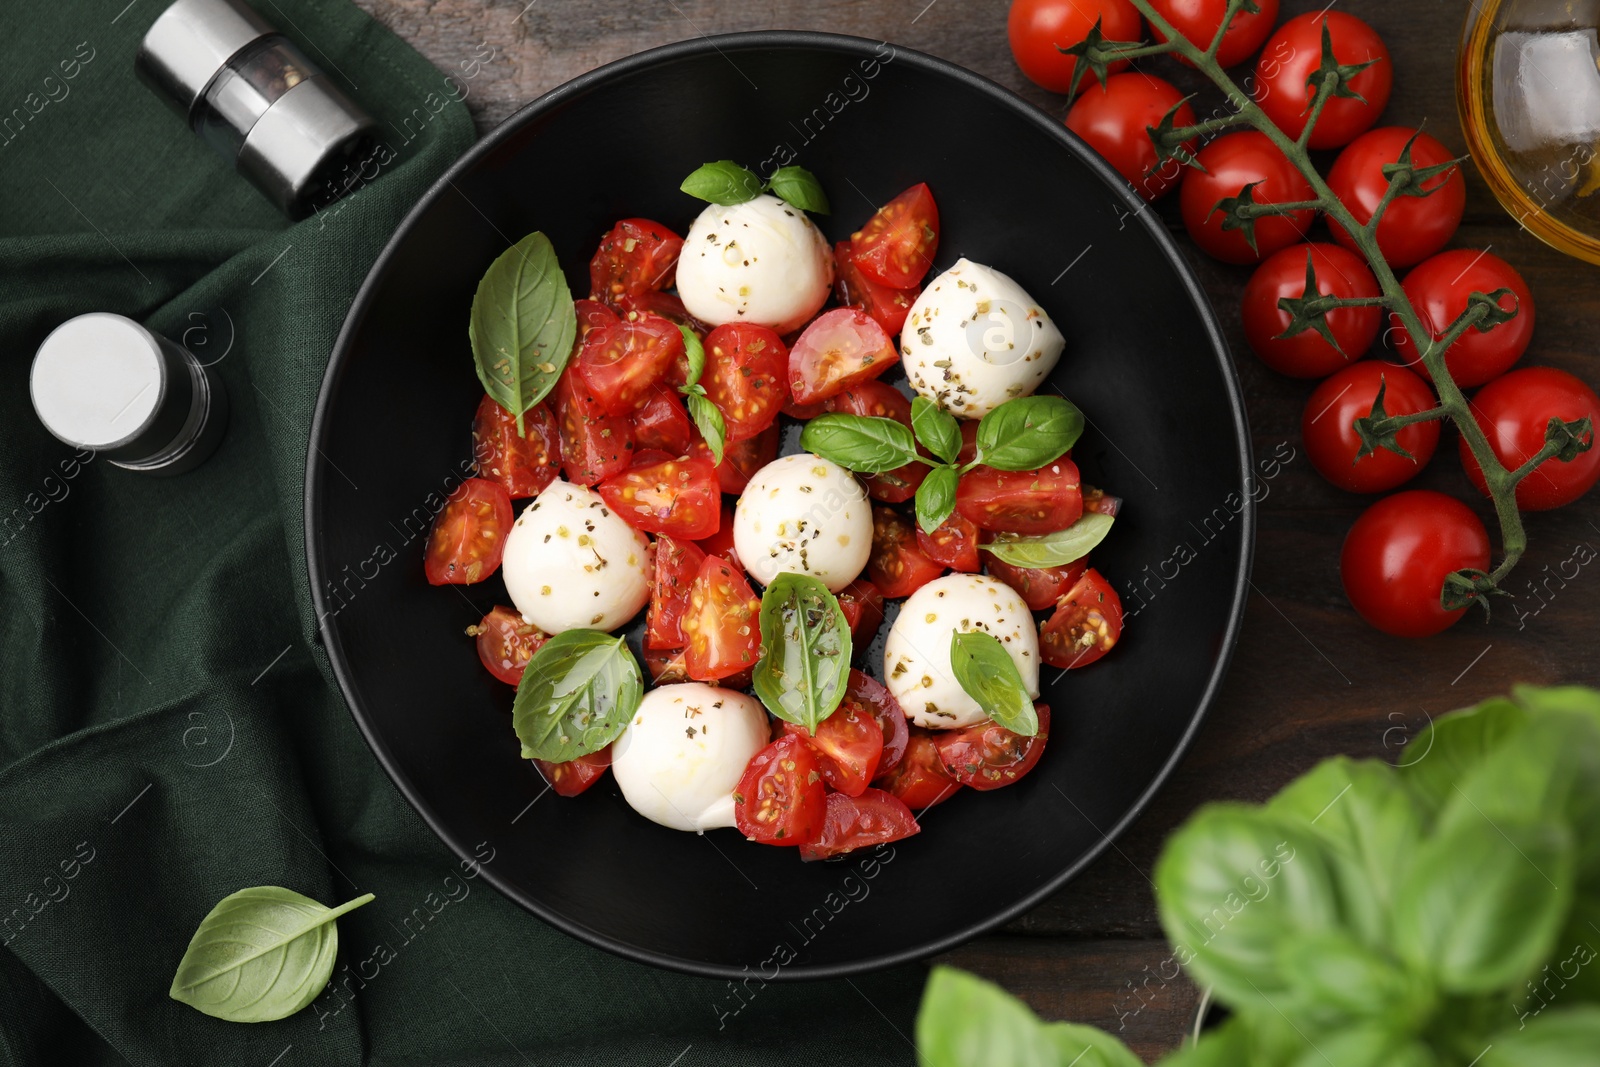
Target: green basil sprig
(1052,549)
(965,1020)
(805,661)
(1028,432)
(726,182)
(936,497)
(936,428)
(706,415)
(260,954)
(522,325)
(576,695)
(866,444)
(985,670)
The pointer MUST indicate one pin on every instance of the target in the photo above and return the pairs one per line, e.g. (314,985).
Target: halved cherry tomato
(524,464)
(1413,227)
(847,744)
(744,377)
(621,366)
(862,605)
(636,256)
(954,543)
(988,756)
(677,564)
(780,800)
(920,780)
(506,642)
(889,307)
(897,245)
(866,692)
(880,400)
(1101,502)
(1085,626)
(574,776)
(469,534)
(1022,502)
(851,822)
(897,566)
(722,624)
(661,494)
(742,459)
(663,423)
(668,666)
(840,348)
(721,542)
(1039,588)
(594,445)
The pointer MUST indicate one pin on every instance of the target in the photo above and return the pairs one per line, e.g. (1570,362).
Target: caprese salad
(642,425)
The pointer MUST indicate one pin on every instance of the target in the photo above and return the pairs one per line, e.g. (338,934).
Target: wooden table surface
(1309,679)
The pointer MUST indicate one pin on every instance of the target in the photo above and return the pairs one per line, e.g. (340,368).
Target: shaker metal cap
(190,42)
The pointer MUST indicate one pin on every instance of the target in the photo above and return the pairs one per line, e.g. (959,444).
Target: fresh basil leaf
(1028,432)
(799,188)
(805,661)
(1558,1037)
(708,420)
(936,497)
(260,954)
(697,356)
(722,182)
(865,444)
(965,1020)
(985,670)
(576,695)
(1087,1046)
(1572,699)
(1365,1045)
(522,325)
(936,428)
(1338,982)
(1052,549)
(1454,745)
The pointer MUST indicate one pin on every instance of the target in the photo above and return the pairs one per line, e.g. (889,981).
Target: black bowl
(1145,361)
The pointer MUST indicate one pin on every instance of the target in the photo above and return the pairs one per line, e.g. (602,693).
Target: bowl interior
(1144,361)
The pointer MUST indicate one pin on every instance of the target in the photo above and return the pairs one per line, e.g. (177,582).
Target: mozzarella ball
(916,654)
(974,339)
(805,515)
(571,563)
(680,759)
(761,261)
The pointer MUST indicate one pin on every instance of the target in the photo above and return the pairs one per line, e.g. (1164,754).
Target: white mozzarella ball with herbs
(805,515)
(916,654)
(571,563)
(975,339)
(682,755)
(761,261)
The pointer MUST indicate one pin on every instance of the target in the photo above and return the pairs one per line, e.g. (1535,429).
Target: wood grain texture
(1309,678)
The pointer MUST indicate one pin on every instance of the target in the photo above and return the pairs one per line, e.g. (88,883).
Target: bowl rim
(856,47)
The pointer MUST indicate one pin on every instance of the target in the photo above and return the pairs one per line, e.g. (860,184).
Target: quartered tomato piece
(954,543)
(1022,502)
(988,756)
(668,665)
(897,566)
(880,400)
(848,745)
(742,459)
(663,423)
(621,366)
(920,780)
(506,642)
(723,624)
(1101,502)
(469,534)
(1085,626)
(676,566)
(862,605)
(661,494)
(1040,588)
(840,348)
(780,799)
(636,256)
(897,245)
(721,542)
(744,377)
(524,464)
(851,822)
(867,693)
(888,307)
(574,776)
(594,445)
(669,307)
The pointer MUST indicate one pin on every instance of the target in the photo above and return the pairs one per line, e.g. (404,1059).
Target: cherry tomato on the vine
(1307,354)
(1332,442)
(1115,120)
(1198,21)
(1232,162)
(1396,556)
(1294,55)
(1439,288)
(1413,227)
(1039,29)
(1514,411)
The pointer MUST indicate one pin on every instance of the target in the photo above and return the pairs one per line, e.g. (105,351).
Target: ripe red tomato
(744,377)
(1099,502)
(852,822)
(988,756)
(1341,273)
(677,564)
(574,776)
(1039,588)
(1115,121)
(506,642)
(1396,557)
(622,364)
(839,349)
(524,463)
(1039,29)
(1086,625)
(969,441)
(742,459)
(954,543)
(661,494)
(897,565)
(862,605)
(669,307)
(721,542)
(897,245)
(636,256)
(1327,426)
(920,780)
(722,623)
(866,692)
(1231,162)
(1438,288)
(1513,411)
(880,400)
(469,534)
(780,800)
(1198,20)
(1413,227)
(663,423)
(668,666)
(888,307)
(594,445)
(1022,502)
(1293,56)
(847,744)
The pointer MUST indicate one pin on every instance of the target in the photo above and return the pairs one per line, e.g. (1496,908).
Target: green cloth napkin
(169,731)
